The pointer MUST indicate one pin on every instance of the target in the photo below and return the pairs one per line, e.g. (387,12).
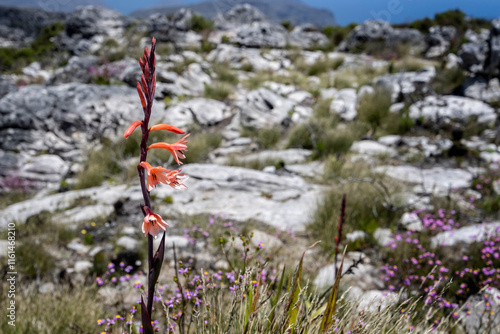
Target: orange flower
(176,149)
(166,127)
(158,175)
(153,223)
(132,127)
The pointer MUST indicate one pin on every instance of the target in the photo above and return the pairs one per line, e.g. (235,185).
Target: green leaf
(294,290)
(327,321)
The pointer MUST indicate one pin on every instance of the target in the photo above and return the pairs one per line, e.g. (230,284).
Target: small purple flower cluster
(13,183)
(415,264)
(112,275)
(105,73)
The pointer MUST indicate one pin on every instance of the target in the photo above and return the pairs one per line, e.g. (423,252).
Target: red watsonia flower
(167,127)
(132,127)
(157,175)
(176,149)
(153,223)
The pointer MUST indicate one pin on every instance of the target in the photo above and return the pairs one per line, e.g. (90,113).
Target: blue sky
(347,11)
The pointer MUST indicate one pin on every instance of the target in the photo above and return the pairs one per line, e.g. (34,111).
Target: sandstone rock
(289,156)
(263,108)
(372,148)
(307,36)
(239,15)
(439,40)
(445,109)
(82,266)
(344,104)
(482,54)
(403,85)
(128,243)
(482,89)
(6,86)
(201,111)
(377,31)
(89,26)
(78,69)
(477,313)
(238,193)
(19,25)
(411,222)
(432,180)
(259,34)
(466,235)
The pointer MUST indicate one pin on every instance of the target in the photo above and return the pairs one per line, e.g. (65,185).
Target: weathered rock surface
(78,69)
(201,111)
(481,55)
(62,121)
(446,109)
(372,148)
(282,201)
(479,313)
(175,28)
(259,34)
(307,36)
(262,108)
(438,180)
(88,27)
(482,89)
(237,58)
(344,103)
(439,40)
(18,26)
(402,85)
(239,15)
(466,235)
(377,31)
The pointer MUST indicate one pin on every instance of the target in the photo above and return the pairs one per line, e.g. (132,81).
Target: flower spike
(167,127)
(132,127)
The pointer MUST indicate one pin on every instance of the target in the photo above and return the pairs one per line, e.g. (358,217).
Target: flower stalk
(153,224)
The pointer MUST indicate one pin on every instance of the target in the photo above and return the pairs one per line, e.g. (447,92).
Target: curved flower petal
(141,94)
(167,127)
(157,175)
(132,127)
(175,149)
(153,223)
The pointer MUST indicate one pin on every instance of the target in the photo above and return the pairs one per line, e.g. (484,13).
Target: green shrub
(218,91)
(200,145)
(287,25)
(225,74)
(374,108)
(268,137)
(448,81)
(14,59)
(338,34)
(199,23)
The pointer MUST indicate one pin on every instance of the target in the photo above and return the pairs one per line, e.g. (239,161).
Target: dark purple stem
(340,229)
(144,153)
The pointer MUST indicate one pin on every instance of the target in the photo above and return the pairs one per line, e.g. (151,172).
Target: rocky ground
(282,120)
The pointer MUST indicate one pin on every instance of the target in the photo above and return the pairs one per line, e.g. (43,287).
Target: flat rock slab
(466,235)
(436,179)
(443,109)
(283,201)
(21,211)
